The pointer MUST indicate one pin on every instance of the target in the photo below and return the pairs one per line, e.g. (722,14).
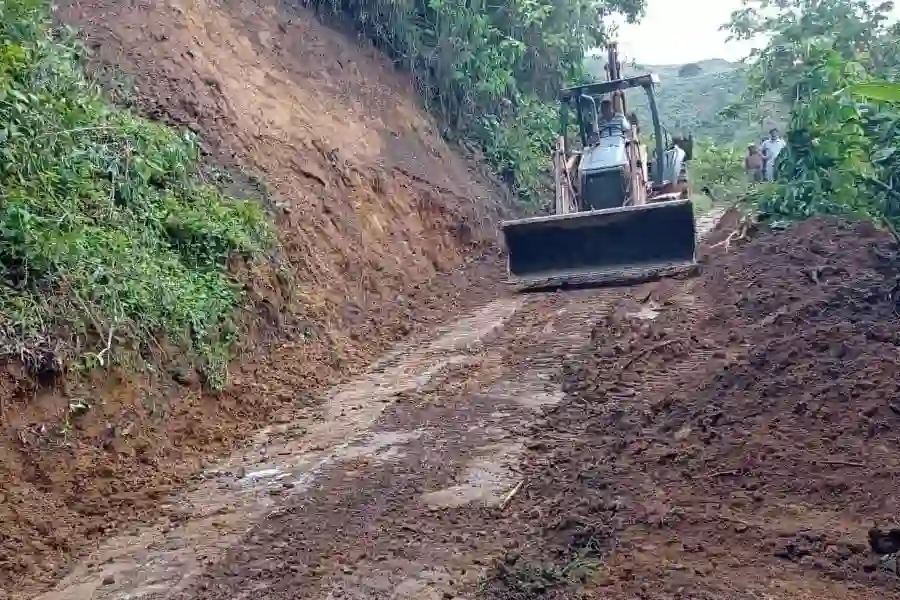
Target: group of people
(760,160)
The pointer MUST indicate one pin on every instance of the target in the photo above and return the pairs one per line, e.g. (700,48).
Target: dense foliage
(841,152)
(492,70)
(689,70)
(108,237)
(718,170)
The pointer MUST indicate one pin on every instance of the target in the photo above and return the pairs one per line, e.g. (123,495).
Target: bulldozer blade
(613,246)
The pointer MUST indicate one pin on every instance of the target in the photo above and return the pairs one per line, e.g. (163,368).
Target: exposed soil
(741,444)
(385,232)
(146,436)
(727,437)
(394,492)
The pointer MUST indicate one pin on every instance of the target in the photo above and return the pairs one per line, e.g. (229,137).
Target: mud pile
(735,439)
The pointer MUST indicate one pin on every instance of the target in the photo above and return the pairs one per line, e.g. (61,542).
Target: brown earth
(724,437)
(397,492)
(384,230)
(739,445)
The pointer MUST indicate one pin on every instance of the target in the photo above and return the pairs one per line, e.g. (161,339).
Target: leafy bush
(719,168)
(107,233)
(520,149)
(690,70)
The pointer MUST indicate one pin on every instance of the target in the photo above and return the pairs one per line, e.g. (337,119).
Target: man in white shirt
(770,150)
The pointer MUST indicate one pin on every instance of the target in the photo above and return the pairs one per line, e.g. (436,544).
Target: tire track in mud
(390,495)
(159,560)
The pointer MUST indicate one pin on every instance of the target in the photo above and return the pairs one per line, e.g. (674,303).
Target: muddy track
(394,494)
(734,439)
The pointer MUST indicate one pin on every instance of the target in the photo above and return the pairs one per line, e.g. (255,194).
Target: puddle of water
(264,474)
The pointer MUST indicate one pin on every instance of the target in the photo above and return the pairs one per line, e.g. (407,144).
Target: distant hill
(690,98)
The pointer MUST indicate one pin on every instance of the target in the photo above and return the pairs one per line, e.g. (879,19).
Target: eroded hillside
(380,224)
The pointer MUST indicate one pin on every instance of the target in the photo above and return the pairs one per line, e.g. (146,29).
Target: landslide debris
(742,443)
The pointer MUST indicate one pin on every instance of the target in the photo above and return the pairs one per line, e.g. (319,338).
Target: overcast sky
(677,32)
(680,32)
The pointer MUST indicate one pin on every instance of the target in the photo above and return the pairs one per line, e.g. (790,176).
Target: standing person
(753,163)
(770,150)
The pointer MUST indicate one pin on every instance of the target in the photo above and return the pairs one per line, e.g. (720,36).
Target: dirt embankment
(741,444)
(381,225)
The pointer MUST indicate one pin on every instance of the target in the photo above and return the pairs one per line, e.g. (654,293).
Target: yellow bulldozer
(618,216)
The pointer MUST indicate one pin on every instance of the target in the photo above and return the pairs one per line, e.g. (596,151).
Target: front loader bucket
(603,247)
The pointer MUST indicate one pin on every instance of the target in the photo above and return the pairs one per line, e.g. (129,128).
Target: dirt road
(392,494)
(644,443)
(736,441)
(672,456)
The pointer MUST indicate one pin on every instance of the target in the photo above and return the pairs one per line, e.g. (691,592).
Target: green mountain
(690,98)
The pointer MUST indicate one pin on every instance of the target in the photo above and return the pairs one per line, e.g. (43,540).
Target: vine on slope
(492,71)
(109,239)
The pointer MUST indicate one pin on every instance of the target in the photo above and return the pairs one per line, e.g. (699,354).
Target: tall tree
(839,156)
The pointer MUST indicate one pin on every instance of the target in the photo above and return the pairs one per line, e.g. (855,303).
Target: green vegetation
(109,238)
(717,170)
(492,70)
(841,155)
(690,70)
(692,97)
(492,73)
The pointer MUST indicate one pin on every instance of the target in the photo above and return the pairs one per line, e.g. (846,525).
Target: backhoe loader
(618,217)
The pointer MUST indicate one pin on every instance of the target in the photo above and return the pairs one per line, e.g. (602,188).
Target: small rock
(109,579)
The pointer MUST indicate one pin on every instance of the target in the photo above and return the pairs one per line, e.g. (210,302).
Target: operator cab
(613,162)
